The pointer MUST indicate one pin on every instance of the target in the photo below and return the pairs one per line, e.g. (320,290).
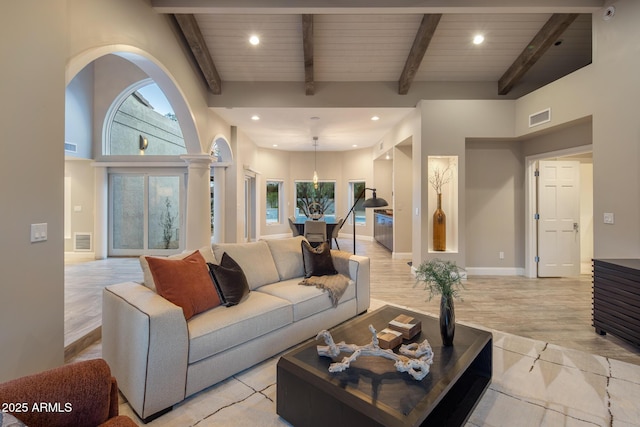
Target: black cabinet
(616,298)
(383,230)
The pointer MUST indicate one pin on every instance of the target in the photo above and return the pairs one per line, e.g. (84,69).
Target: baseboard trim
(79,256)
(402,255)
(495,271)
(275,236)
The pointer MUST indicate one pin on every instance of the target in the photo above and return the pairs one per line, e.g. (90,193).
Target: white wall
(79,113)
(495,207)
(42,52)
(616,132)
(586,217)
(402,199)
(288,167)
(446,125)
(608,90)
(32,99)
(81,199)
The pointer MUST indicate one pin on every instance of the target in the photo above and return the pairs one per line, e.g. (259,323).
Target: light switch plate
(608,218)
(39,232)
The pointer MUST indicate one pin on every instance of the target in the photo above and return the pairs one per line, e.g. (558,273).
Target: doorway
(581,228)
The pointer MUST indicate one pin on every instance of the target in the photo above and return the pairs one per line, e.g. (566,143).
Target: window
(144,124)
(146,213)
(310,200)
(355,189)
(273,202)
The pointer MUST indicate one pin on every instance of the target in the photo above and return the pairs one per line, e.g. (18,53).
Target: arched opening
(142,122)
(96,83)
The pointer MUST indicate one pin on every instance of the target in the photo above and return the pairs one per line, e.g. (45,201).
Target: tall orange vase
(439,227)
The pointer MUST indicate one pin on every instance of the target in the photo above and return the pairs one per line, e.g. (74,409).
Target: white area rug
(533,384)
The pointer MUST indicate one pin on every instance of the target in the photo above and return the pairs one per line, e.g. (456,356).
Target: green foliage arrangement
(440,278)
(311,200)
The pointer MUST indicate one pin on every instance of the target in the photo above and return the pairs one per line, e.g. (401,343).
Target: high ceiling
(527,44)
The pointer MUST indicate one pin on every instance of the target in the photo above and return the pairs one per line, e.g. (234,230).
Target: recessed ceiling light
(275,145)
(314,118)
(375,118)
(354,145)
(478,39)
(255,117)
(254,40)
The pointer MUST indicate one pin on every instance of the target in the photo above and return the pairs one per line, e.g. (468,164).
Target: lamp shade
(374,202)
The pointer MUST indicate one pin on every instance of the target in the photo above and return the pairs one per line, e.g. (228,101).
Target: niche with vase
(442,172)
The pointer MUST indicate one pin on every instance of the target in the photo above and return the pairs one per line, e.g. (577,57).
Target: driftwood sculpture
(415,359)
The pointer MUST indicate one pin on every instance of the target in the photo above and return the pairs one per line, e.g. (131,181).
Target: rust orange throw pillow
(185,282)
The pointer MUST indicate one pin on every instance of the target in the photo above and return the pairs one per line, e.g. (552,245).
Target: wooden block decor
(409,326)
(389,339)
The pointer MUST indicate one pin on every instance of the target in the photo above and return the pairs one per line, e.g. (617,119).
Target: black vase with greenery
(442,278)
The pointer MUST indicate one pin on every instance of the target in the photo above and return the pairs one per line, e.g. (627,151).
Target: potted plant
(442,278)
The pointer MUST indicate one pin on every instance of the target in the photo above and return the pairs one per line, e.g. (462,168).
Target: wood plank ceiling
(532,48)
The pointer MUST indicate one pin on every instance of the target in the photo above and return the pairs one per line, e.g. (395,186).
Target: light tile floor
(534,384)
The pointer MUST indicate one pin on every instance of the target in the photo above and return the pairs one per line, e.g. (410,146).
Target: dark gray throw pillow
(230,281)
(317,261)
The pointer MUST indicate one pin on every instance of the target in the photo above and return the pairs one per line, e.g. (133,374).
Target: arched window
(142,122)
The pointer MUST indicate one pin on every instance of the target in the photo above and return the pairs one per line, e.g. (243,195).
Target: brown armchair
(79,394)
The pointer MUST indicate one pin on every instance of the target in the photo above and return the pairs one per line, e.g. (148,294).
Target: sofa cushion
(220,329)
(230,280)
(255,260)
(185,282)
(317,261)
(287,256)
(205,251)
(306,300)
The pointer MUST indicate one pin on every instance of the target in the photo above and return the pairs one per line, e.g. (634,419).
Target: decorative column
(198,215)
(219,185)
(101,213)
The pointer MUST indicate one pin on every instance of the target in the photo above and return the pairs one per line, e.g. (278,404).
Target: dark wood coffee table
(371,392)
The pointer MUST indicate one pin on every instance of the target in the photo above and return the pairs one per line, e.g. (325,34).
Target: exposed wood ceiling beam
(420,44)
(307,43)
(546,37)
(198,46)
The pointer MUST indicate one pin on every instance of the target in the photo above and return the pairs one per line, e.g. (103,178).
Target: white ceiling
(293,129)
(371,43)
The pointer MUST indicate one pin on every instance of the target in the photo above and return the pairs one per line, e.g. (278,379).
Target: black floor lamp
(373,202)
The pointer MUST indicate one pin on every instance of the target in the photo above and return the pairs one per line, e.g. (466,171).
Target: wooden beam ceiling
(418,49)
(198,46)
(307,43)
(546,37)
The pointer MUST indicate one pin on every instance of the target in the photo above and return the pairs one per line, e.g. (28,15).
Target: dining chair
(293,227)
(315,231)
(336,231)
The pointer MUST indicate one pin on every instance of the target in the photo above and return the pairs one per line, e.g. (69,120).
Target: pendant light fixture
(315,162)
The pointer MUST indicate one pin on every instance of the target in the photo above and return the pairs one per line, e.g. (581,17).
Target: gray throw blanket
(335,284)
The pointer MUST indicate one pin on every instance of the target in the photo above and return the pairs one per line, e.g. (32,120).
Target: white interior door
(559,222)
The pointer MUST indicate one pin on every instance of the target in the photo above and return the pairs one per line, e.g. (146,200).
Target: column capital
(198,160)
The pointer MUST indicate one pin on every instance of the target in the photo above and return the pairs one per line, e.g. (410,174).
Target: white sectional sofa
(159,358)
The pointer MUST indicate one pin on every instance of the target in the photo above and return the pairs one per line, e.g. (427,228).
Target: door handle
(576,227)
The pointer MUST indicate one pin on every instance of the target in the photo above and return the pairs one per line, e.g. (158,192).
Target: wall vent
(72,148)
(82,242)
(540,117)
